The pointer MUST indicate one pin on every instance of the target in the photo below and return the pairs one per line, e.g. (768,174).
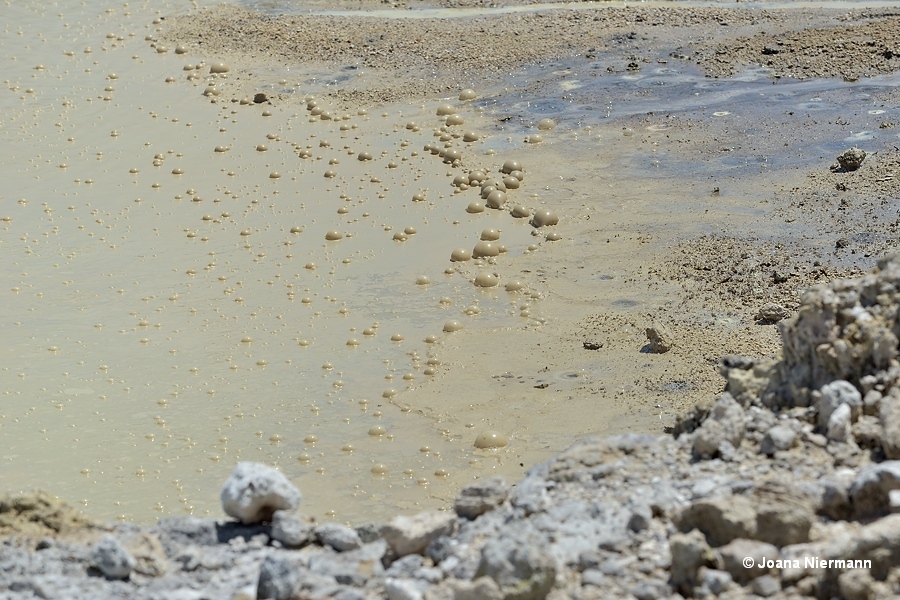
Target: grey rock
(111,558)
(839,426)
(889,417)
(851,159)
(765,586)
(771,313)
(870,492)
(476,499)
(278,578)
(726,423)
(689,552)
(291,530)
(833,395)
(660,338)
(778,438)
(369,532)
(715,581)
(254,491)
(640,518)
(519,562)
(731,558)
(408,535)
(337,536)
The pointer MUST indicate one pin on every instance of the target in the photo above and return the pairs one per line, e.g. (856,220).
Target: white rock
(839,424)
(254,492)
(410,535)
(112,559)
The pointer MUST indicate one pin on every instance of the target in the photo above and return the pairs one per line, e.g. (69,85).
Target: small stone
(660,338)
(778,438)
(337,536)
(851,159)
(290,530)
(476,499)
(411,535)
(254,492)
(771,313)
(111,558)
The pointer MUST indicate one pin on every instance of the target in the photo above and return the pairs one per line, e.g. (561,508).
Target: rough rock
(726,423)
(660,338)
(254,492)
(278,578)
(518,561)
(851,159)
(771,313)
(476,499)
(411,535)
(841,331)
(111,558)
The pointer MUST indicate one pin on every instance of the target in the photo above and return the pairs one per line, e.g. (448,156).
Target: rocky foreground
(789,486)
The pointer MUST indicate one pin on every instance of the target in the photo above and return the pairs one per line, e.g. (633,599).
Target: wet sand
(163,325)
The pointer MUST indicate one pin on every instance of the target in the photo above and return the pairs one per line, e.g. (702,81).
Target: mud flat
(230,235)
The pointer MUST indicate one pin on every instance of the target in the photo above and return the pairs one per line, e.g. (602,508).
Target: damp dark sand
(153,341)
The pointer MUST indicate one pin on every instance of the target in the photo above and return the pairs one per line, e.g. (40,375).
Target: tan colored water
(171,302)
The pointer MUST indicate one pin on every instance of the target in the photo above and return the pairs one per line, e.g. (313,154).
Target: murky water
(173,302)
